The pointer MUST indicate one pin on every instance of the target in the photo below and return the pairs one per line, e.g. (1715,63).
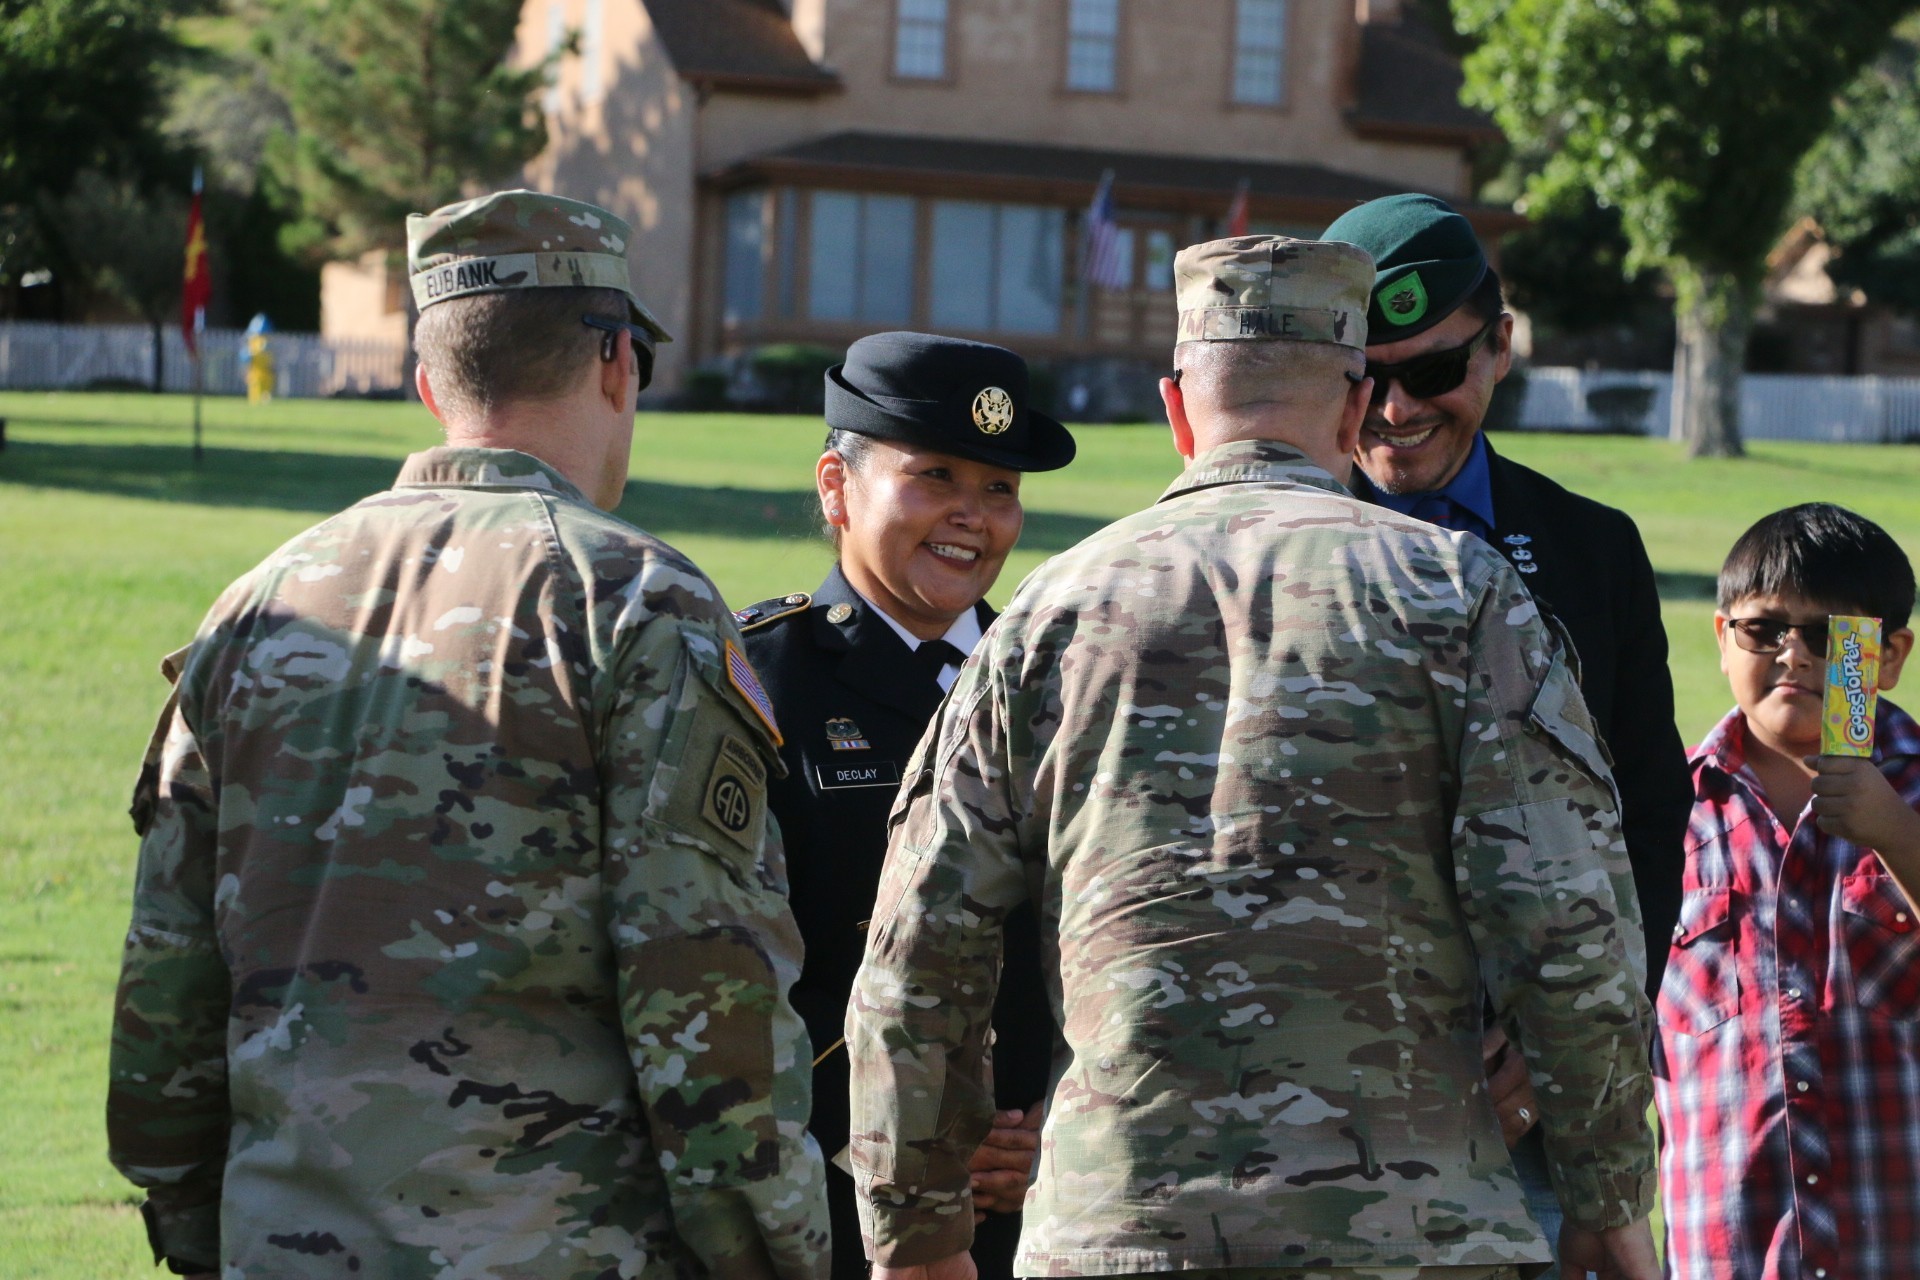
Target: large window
(996,267)
(1093,38)
(860,261)
(920,39)
(1260,51)
(746,256)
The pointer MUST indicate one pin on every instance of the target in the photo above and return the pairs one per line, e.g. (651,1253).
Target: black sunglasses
(1767,635)
(610,344)
(1430,375)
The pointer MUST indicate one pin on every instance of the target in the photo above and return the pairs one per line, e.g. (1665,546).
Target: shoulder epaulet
(756,616)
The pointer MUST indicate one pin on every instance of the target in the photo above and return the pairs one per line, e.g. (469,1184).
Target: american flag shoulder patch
(740,675)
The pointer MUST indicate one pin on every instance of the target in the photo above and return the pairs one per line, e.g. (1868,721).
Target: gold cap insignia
(993,411)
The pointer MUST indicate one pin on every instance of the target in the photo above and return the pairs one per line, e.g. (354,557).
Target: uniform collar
(963,635)
(1895,736)
(464,467)
(1471,488)
(1251,462)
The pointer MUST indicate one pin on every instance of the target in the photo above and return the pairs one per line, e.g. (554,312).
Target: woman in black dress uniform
(920,487)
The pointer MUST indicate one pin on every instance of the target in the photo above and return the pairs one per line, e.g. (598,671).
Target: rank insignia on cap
(740,675)
(993,411)
(1405,300)
(844,735)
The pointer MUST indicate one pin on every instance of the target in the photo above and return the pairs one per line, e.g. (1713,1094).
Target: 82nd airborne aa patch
(736,792)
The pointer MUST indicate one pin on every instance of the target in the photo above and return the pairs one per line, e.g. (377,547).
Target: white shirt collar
(963,635)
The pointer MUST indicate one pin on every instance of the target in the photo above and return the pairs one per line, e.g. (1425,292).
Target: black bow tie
(936,655)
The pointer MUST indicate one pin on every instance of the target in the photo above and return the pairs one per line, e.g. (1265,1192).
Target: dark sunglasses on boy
(1430,375)
(1767,635)
(610,344)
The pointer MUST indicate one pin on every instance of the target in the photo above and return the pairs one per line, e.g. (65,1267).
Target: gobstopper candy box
(1853,685)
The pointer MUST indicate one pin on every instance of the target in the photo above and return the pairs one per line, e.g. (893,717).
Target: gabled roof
(990,169)
(737,44)
(1407,86)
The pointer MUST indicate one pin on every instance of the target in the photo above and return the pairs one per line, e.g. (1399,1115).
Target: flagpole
(199,381)
(193,302)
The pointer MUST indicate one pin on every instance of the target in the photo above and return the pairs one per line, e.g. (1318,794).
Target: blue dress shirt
(1464,503)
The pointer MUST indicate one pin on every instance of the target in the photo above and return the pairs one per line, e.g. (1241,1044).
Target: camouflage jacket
(1294,781)
(460,944)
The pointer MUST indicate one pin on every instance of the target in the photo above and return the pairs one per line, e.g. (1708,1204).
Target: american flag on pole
(1100,261)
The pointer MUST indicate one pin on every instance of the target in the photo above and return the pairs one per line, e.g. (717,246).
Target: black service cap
(950,394)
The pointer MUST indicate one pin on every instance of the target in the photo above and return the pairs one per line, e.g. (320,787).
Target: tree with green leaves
(1861,181)
(398,106)
(1691,117)
(81,88)
(128,243)
(81,85)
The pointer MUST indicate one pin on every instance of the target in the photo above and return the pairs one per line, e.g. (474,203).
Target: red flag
(197,284)
(1237,212)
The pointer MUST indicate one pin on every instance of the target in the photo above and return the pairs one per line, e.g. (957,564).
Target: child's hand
(1853,800)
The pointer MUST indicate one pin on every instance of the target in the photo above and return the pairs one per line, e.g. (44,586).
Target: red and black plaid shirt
(1787,1069)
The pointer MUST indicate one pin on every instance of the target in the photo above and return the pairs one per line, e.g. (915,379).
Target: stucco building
(812,170)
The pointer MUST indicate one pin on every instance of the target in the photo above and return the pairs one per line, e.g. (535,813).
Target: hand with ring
(1509,1086)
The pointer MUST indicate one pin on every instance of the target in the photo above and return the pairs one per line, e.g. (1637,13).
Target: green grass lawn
(112,544)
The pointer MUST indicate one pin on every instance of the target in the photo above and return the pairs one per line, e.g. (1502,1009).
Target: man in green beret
(1291,782)
(460,943)
(1439,339)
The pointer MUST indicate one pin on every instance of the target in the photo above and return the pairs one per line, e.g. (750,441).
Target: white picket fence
(37,356)
(1773,406)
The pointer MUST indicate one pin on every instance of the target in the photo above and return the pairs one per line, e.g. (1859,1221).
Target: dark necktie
(935,655)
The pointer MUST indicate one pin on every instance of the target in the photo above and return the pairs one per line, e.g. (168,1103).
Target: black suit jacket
(1586,562)
(852,705)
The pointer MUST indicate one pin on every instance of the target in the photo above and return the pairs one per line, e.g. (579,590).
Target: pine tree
(398,106)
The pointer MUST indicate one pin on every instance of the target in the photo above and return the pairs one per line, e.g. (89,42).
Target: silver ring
(1525,1114)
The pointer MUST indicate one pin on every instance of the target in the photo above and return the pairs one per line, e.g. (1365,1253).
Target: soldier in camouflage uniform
(1292,779)
(460,945)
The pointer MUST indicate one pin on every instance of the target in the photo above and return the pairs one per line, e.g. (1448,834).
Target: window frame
(1118,87)
(996,267)
(808,198)
(1283,100)
(894,26)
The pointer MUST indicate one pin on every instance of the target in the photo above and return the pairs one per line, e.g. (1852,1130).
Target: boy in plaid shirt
(1787,1067)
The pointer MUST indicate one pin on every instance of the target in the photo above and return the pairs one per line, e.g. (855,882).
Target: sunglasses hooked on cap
(610,343)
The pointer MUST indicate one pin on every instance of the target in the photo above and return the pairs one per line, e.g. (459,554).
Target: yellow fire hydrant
(259,369)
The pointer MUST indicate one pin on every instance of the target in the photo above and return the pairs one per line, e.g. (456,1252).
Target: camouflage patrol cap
(1273,289)
(521,240)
